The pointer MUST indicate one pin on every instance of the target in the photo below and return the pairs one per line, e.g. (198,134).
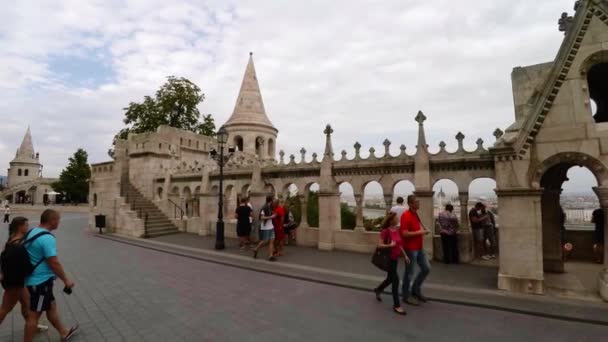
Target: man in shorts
(266,230)
(39,284)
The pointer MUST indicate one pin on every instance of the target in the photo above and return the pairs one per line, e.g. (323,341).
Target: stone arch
(238,143)
(354,203)
(446,192)
(312,204)
(175,190)
(159,193)
(597,168)
(373,195)
(197,190)
(215,190)
(187,193)
(19,172)
(270,189)
(289,189)
(26,172)
(245,190)
(403,188)
(595,69)
(259,146)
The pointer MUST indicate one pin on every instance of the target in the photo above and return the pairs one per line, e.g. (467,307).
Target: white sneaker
(42,328)
(486,257)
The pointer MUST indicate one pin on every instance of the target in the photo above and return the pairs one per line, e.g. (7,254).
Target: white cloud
(366,67)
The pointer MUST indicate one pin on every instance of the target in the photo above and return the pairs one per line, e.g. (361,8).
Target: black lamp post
(222,138)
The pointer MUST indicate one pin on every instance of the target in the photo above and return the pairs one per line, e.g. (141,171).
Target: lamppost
(222,137)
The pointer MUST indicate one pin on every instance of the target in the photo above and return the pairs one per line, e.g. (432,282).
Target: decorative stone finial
(498,133)
(329,151)
(292,159)
(344,154)
(314,157)
(250,53)
(303,154)
(281,157)
(402,148)
(479,143)
(442,145)
(577,4)
(460,139)
(357,147)
(371,152)
(387,145)
(328,130)
(565,23)
(420,118)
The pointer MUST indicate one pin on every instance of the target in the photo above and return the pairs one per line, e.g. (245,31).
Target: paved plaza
(127,293)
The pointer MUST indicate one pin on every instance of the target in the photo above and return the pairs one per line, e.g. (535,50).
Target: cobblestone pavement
(126,293)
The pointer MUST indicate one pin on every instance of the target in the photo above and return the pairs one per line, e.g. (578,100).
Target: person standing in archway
(597,217)
(448,221)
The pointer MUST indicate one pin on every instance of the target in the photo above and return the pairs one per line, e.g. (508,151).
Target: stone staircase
(156,223)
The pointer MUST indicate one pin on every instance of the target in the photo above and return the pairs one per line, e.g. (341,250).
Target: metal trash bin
(100,222)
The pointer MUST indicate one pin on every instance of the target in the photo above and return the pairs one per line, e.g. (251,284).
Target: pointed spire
(249,108)
(420,118)
(26,150)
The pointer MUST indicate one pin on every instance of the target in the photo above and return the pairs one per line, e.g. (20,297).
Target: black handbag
(382,257)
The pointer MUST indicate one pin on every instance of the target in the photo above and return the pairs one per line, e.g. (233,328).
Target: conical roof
(249,107)
(25,153)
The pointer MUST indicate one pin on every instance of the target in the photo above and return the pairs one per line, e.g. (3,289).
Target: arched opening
(445,192)
(19,172)
(271,148)
(26,172)
(312,205)
(269,189)
(245,190)
(348,207)
(259,147)
(186,201)
(374,206)
(486,233)
(215,190)
(597,77)
(21,197)
(403,189)
(238,143)
(292,201)
(159,193)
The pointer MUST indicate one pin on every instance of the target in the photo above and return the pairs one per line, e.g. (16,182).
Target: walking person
(448,221)
(398,209)
(15,264)
(412,232)
(243,214)
(43,254)
(279,229)
(390,237)
(7,213)
(266,230)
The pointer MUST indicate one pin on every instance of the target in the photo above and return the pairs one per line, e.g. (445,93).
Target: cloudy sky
(366,67)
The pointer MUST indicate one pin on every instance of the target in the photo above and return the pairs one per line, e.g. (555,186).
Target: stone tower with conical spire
(249,129)
(25,166)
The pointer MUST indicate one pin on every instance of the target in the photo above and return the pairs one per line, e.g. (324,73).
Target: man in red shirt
(412,231)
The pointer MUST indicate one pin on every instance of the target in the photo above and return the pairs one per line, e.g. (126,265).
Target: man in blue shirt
(43,253)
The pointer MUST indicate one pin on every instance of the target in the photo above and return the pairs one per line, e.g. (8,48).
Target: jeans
(392,278)
(449,244)
(419,258)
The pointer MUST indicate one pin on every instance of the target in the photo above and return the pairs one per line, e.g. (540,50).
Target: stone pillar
(329,219)
(463,197)
(426,217)
(304,211)
(207,213)
(520,243)
(602,282)
(551,231)
(359,212)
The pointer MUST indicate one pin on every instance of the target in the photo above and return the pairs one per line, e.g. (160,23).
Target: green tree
(73,181)
(312,208)
(348,218)
(175,104)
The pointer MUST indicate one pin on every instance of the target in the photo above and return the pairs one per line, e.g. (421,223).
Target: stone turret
(249,129)
(25,166)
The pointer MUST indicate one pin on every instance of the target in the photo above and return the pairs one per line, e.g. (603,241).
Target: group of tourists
(30,265)
(276,226)
(402,233)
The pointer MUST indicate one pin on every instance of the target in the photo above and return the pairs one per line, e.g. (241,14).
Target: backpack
(15,260)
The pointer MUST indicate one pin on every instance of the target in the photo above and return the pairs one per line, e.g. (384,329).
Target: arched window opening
(19,172)
(26,172)
(238,143)
(271,148)
(598,91)
(94,200)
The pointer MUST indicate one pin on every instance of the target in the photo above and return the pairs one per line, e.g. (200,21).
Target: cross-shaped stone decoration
(479,143)
(314,157)
(460,138)
(442,145)
(357,147)
(328,130)
(371,152)
(344,154)
(282,157)
(420,118)
(387,145)
(498,133)
(402,148)
(565,23)
(577,4)
(303,154)
(292,159)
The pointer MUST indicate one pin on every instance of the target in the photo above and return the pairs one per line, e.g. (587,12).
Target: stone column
(426,217)
(602,282)
(551,231)
(207,212)
(359,212)
(520,243)
(329,219)
(304,211)
(465,236)
(463,197)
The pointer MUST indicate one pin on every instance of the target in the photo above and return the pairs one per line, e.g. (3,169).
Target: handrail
(175,207)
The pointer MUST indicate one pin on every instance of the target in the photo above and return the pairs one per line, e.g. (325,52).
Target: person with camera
(43,254)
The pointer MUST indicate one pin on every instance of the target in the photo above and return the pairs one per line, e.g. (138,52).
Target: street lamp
(222,138)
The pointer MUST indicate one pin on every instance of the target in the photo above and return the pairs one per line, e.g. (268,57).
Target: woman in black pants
(448,221)
(391,238)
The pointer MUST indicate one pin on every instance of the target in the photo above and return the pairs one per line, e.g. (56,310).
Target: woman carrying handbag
(390,238)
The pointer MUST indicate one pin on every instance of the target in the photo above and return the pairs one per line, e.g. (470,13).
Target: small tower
(249,129)
(25,166)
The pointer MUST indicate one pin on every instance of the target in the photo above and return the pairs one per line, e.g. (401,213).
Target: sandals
(70,334)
